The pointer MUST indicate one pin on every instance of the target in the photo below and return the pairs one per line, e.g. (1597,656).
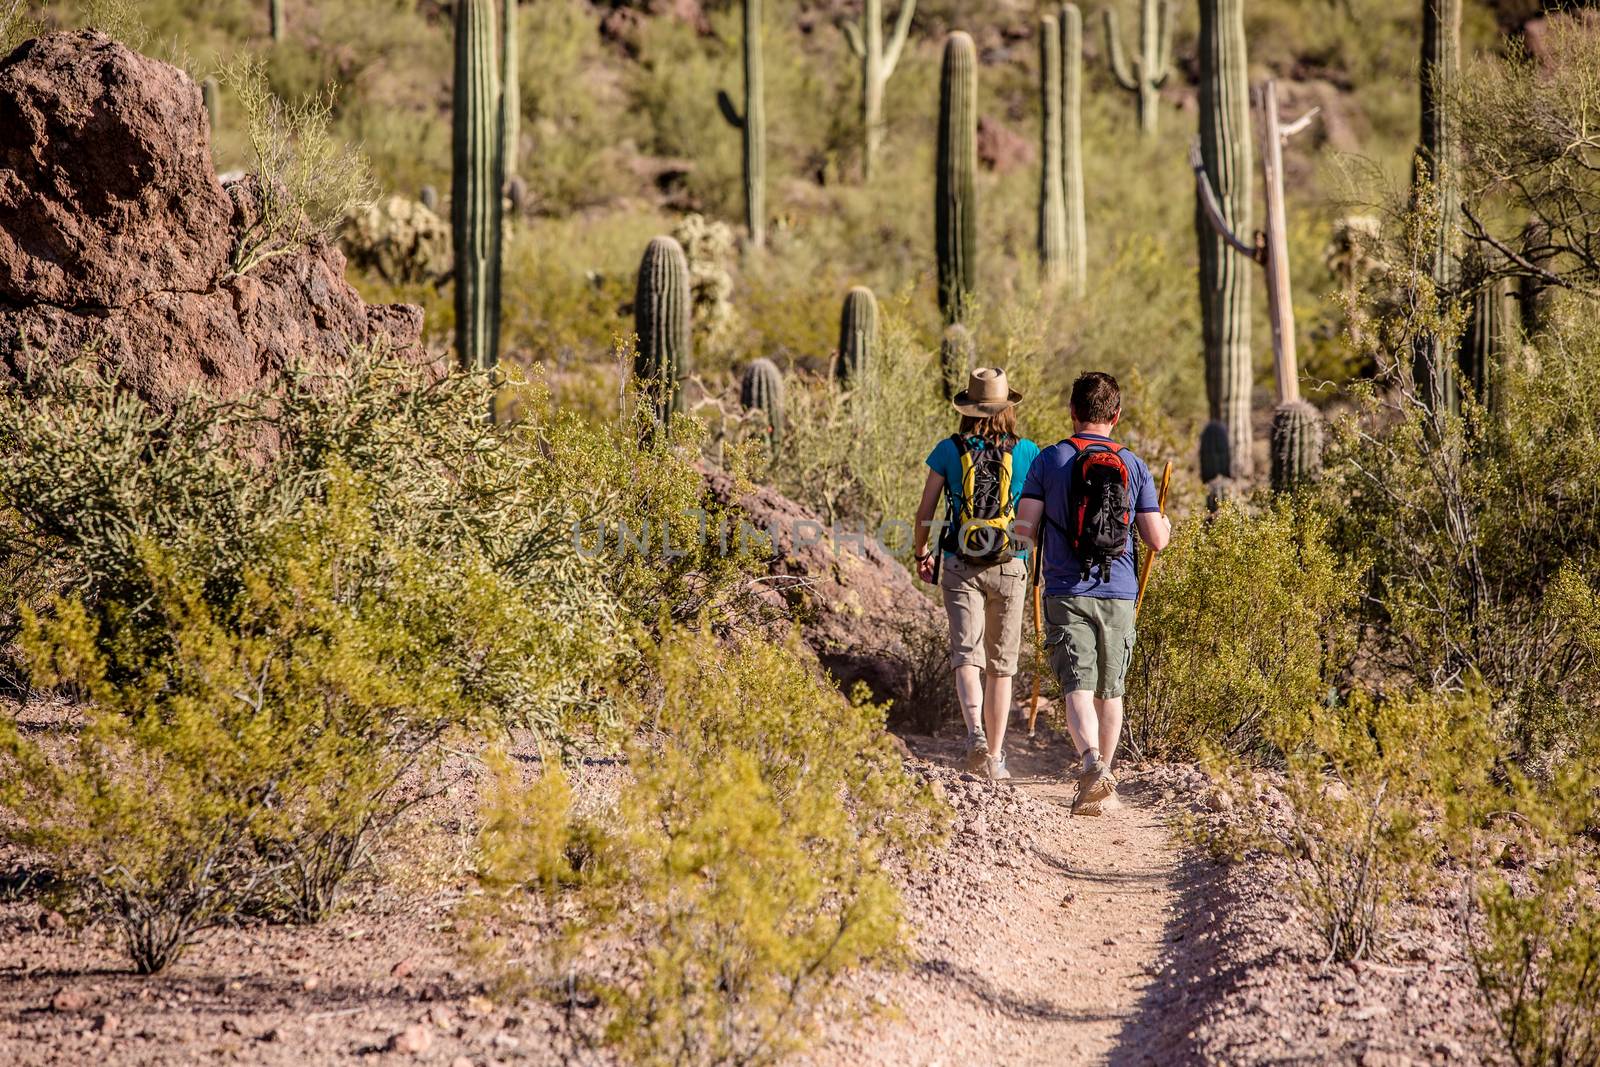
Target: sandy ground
(1037,938)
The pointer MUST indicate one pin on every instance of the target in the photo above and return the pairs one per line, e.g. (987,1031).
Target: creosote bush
(1249,621)
(742,867)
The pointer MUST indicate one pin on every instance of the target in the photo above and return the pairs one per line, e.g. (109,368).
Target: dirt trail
(1036,935)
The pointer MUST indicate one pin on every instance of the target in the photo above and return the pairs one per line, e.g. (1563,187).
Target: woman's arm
(931,490)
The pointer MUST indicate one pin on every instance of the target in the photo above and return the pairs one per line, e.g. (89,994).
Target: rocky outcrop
(859,610)
(115,236)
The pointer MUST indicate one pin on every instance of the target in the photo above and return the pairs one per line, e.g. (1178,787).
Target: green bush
(743,863)
(1246,620)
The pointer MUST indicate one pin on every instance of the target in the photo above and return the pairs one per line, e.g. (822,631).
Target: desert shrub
(1373,794)
(93,475)
(741,870)
(1246,620)
(307,182)
(254,759)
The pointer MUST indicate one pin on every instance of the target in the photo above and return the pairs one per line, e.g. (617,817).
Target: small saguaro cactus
(428,196)
(878,61)
(1296,440)
(761,389)
(753,126)
(661,316)
(1071,25)
(1492,333)
(212,102)
(957,353)
(275,16)
(858,337)
(510,88)
(1437,162)
(1147,73)
(475,208)
(955,178)
(1052,189)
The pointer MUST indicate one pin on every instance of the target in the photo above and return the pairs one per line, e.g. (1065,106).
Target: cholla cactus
(761,389)
(712,249)
(858,337)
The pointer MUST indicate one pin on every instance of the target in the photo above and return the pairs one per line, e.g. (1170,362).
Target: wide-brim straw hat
(987,393)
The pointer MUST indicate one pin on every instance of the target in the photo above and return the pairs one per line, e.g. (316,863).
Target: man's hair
(1096,397)
(998,429)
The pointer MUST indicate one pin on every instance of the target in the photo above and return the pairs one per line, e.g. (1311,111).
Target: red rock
(107,191)
(1000,148)
(403,968)
(413,1040)
(67,1000)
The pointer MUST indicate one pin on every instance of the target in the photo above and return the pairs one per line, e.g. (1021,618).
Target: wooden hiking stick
(1150,557)
(1038,633)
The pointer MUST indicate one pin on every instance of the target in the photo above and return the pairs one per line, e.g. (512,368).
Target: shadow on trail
(987,993)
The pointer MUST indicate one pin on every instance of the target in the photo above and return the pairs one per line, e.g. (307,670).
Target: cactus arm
(897,38)
(1213,208)
(852,37)
(729,112)
(1299,125)
(1120,69)
(1164,20)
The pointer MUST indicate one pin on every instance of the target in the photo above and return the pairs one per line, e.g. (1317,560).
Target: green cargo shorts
(1090,643)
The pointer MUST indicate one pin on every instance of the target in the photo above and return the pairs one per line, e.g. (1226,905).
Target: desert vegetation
(676,266)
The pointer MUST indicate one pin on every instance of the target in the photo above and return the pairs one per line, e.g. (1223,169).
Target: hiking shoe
(977,757)
(1094,786)
(995,768)
(1088,807)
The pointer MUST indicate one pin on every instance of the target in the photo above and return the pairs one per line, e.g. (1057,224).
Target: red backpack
(1099,505)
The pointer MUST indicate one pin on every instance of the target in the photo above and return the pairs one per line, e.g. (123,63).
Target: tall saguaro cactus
(955,178)
(752,125)
(1052,189)
(1148,72)
(1437,163)
(1071,25)
(475,186)
(878,60)
(275,16)
(858,338)
(1224,282)
(661,316)
(510,88)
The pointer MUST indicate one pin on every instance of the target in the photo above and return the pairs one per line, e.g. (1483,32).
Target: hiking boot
(1088,807)
(995,768)
(1094,786)
(977,757)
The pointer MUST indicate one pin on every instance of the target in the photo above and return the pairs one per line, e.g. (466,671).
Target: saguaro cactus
(858,338)
(275,16)
(761,389)
(661,316)
(877,67)
(429,198)
(955,178)
(957,353)
(1077,275)
(1224,283)
(1145,76)
(1296,445)
(475,186)
(1437,163)
(212,102)
(510,88)
(753,126)
(1052,188)
(1492,333)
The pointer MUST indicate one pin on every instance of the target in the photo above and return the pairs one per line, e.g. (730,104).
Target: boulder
(115,237)
(858,608)
(1002,149)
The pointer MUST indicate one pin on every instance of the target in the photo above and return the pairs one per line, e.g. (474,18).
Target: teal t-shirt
(945,460)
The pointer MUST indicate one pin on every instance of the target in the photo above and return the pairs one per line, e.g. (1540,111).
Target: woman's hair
(995,429)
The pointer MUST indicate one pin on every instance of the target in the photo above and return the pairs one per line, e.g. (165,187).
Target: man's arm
(1155,529)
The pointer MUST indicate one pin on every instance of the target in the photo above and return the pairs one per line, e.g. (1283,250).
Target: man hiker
(1090,493)
(983,574)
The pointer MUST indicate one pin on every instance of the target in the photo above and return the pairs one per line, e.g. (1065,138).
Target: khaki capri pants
(984,603)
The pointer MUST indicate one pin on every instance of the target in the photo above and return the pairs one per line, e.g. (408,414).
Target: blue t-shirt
(1048,480)
(945,460)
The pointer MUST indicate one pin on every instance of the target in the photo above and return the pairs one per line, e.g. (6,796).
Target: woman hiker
(980,470)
